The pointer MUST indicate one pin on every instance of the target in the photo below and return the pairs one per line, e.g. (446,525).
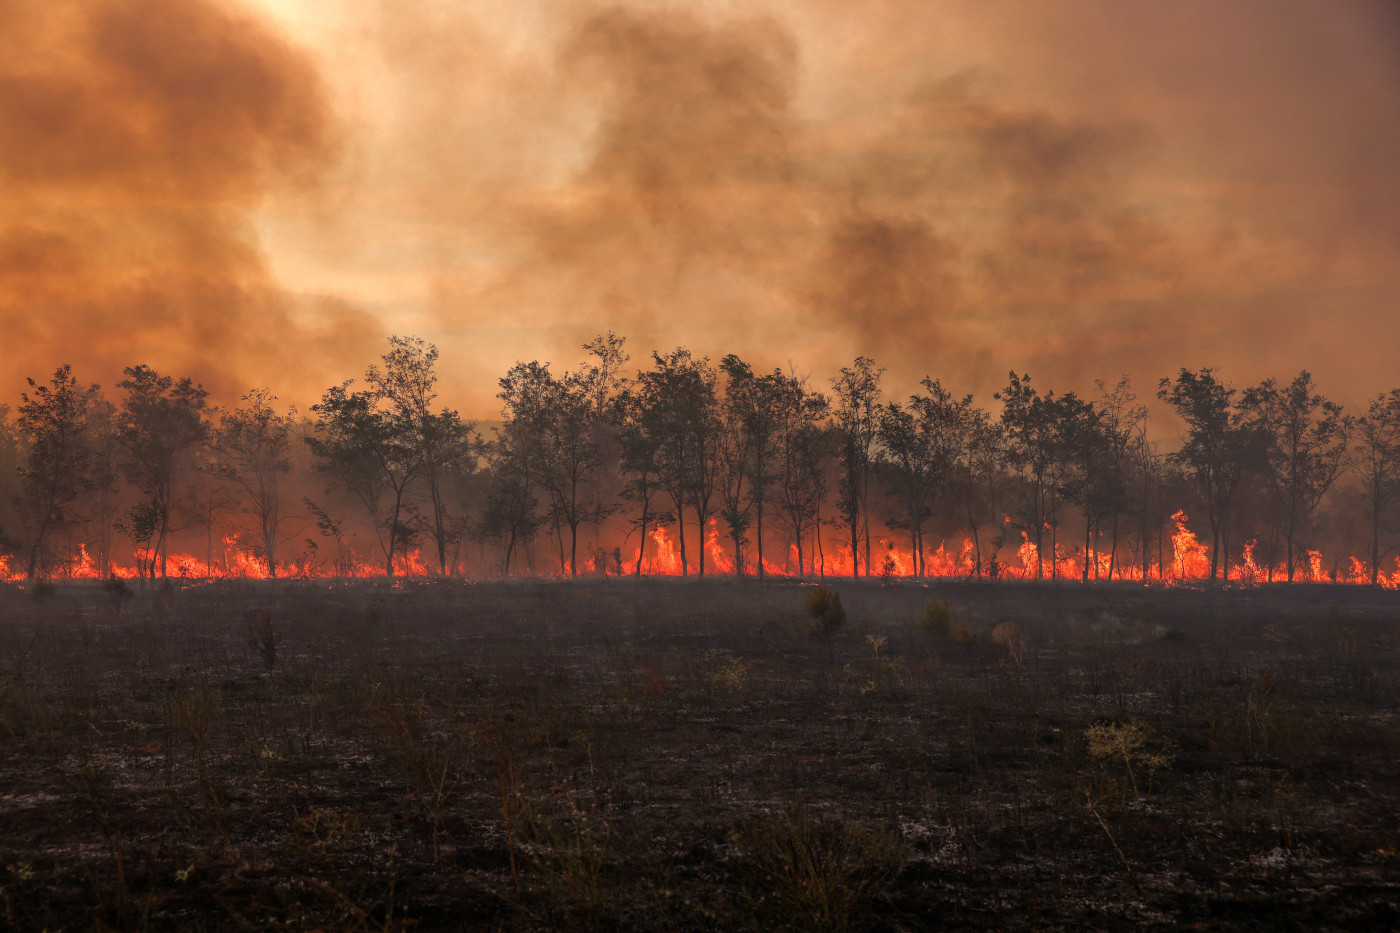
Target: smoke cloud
(136,138)
(955,187)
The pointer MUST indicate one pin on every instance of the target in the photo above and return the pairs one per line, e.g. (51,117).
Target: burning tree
(1041,432)
(752,415)
(250,449)
(675,401)
(1304,444)
(921,445)
(162,425)
(1216,452)
(857,419)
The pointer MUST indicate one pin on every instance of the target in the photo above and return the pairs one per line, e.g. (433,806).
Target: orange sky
(259,194)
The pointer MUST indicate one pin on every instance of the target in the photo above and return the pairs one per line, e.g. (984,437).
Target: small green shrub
(936,618)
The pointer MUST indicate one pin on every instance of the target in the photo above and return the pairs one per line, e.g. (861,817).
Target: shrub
(824,606)
(263,639)
(811,874)
(936,618)
(1128,744)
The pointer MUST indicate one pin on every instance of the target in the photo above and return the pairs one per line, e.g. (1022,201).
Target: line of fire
(694,468)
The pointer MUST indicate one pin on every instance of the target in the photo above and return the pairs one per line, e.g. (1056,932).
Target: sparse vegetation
(671,756)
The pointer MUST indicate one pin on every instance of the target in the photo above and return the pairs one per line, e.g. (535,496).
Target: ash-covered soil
(690,756)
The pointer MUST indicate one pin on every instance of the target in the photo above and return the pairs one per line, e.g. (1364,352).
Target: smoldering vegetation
(677,755)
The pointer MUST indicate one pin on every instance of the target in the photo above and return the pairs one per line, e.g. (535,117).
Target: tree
(1109,495)
(738,412)
(1377,464)
(371,454)
(805,448)
(1217,452)
(857,418)
(639,438)
(981,453)
(407,385)
(250,448)
(57,469)
(510,514)
(1039,430)
(675,400)
(922,444)
(163,422)
(550,429)
(1304,440)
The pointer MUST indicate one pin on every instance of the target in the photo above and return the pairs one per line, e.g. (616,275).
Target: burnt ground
(689,756)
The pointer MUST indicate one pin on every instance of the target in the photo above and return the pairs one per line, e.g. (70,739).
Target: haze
(259,194)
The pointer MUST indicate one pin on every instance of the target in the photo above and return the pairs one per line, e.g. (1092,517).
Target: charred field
(666,755)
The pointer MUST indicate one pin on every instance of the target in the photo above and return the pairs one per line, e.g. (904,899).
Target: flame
(1029,555)
(229,559)
(716,560)
(1189,560)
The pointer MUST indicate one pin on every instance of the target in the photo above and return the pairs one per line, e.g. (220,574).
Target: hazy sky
(259,194)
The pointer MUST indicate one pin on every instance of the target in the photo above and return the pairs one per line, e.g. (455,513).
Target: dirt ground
(668,755)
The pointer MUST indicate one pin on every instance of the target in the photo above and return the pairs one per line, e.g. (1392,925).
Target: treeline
(586,465)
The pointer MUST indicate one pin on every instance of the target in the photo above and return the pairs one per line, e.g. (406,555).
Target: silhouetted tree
(373,454)
(57,470)
(407,386)
(510,514)
(1109,495)
(550,428)
(1036,426)
(250,450)
(856,415)
(1216,452)
(1377,464)
(1304,438)
(640,439)
(805,448)
(676,400)
(162,425)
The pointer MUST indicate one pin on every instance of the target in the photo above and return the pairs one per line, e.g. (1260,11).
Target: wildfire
(1190,561)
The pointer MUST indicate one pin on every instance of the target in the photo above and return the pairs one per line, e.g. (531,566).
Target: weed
(809,874)
(1127,744)
(731,674)
(936,618)
(824,606)
(1009,635)
(569,858)
(263,639)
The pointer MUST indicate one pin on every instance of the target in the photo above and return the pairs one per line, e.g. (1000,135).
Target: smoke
(136,139)
(956,187)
